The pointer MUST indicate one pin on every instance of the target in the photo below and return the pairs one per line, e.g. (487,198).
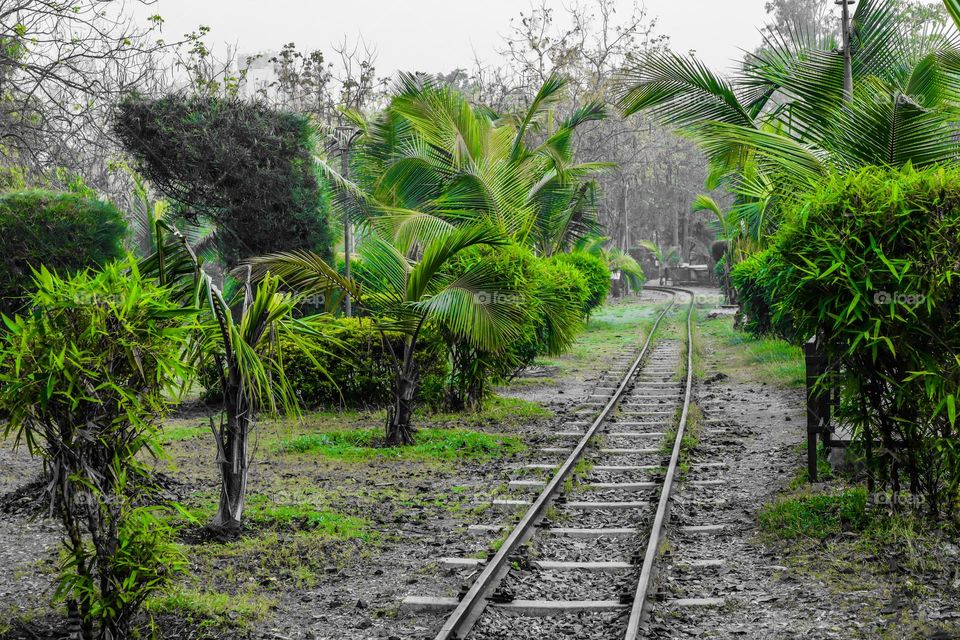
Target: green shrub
(754,285)
(562,292)
(551,294)
(361,367)
(243,166)
(85,381)
(870,262)
(596,274)
(65,232)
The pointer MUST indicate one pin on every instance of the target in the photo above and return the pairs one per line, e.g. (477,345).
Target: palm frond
(680,90)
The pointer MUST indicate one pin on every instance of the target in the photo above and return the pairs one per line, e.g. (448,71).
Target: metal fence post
(814,360)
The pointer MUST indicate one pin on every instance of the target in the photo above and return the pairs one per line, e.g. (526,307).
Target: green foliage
(352,368)
(65,232)
(213,608)
(817,516)
(237,344)
(432,160)
(752,281)
(145,559)
(276,512)
(783,121)
(84,380)
(244,167)
(869,262)
(596,274)
(567,290)
(617,261)
(398,293)
(429,444)
(550,296)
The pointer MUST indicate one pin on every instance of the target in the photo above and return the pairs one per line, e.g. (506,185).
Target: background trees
(62,67)
(654,173)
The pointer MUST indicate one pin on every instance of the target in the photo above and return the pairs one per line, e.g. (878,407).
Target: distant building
(260,73)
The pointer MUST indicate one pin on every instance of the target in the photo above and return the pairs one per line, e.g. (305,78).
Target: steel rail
(468,611)
(638,610)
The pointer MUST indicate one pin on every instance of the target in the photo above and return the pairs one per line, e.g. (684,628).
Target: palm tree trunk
(232,461)
(399,430)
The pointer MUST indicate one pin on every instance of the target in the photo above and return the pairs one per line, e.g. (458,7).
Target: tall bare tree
(63,64)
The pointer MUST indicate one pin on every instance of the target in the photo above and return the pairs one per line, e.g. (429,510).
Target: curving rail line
(475,600)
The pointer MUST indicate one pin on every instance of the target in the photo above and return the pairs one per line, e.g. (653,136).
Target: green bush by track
(356,358)
(871,262)
(596,273)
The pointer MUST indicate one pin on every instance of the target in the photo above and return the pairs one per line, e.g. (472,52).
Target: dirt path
(839,588)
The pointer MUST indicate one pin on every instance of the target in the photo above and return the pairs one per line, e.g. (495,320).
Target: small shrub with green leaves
(352,368)
(596,273)
(65,232)
(85,378)
(752,280)
(870,263)
(550,293)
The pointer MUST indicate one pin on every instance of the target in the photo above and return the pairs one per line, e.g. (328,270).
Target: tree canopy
(244,167)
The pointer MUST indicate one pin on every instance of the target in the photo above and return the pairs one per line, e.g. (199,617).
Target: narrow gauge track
(646,397)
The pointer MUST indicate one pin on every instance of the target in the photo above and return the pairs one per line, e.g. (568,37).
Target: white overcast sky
(441,35)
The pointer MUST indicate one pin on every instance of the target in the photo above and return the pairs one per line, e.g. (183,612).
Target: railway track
(590,537)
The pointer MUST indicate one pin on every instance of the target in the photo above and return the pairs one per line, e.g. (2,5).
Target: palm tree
(782,122)
(403,292)
(432,161)
(432,164)
(618,261)
(240,341)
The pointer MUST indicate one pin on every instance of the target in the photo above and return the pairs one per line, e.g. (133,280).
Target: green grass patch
(213,609)
(777,359)
(320,521)
(497,410)
(816,515)
(430,444)
(181,432)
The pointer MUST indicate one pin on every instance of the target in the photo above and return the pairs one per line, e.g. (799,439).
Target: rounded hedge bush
(358,362)
(563,292)
(65,232)
(551,296)
(596,274)
(752,280)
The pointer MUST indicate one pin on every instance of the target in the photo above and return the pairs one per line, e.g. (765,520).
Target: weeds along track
(590,513)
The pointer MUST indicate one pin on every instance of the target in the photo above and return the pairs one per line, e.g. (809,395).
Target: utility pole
(847,53)
(346,140)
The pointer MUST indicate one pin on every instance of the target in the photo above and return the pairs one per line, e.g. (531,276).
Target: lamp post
(345,140)
(847,53)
